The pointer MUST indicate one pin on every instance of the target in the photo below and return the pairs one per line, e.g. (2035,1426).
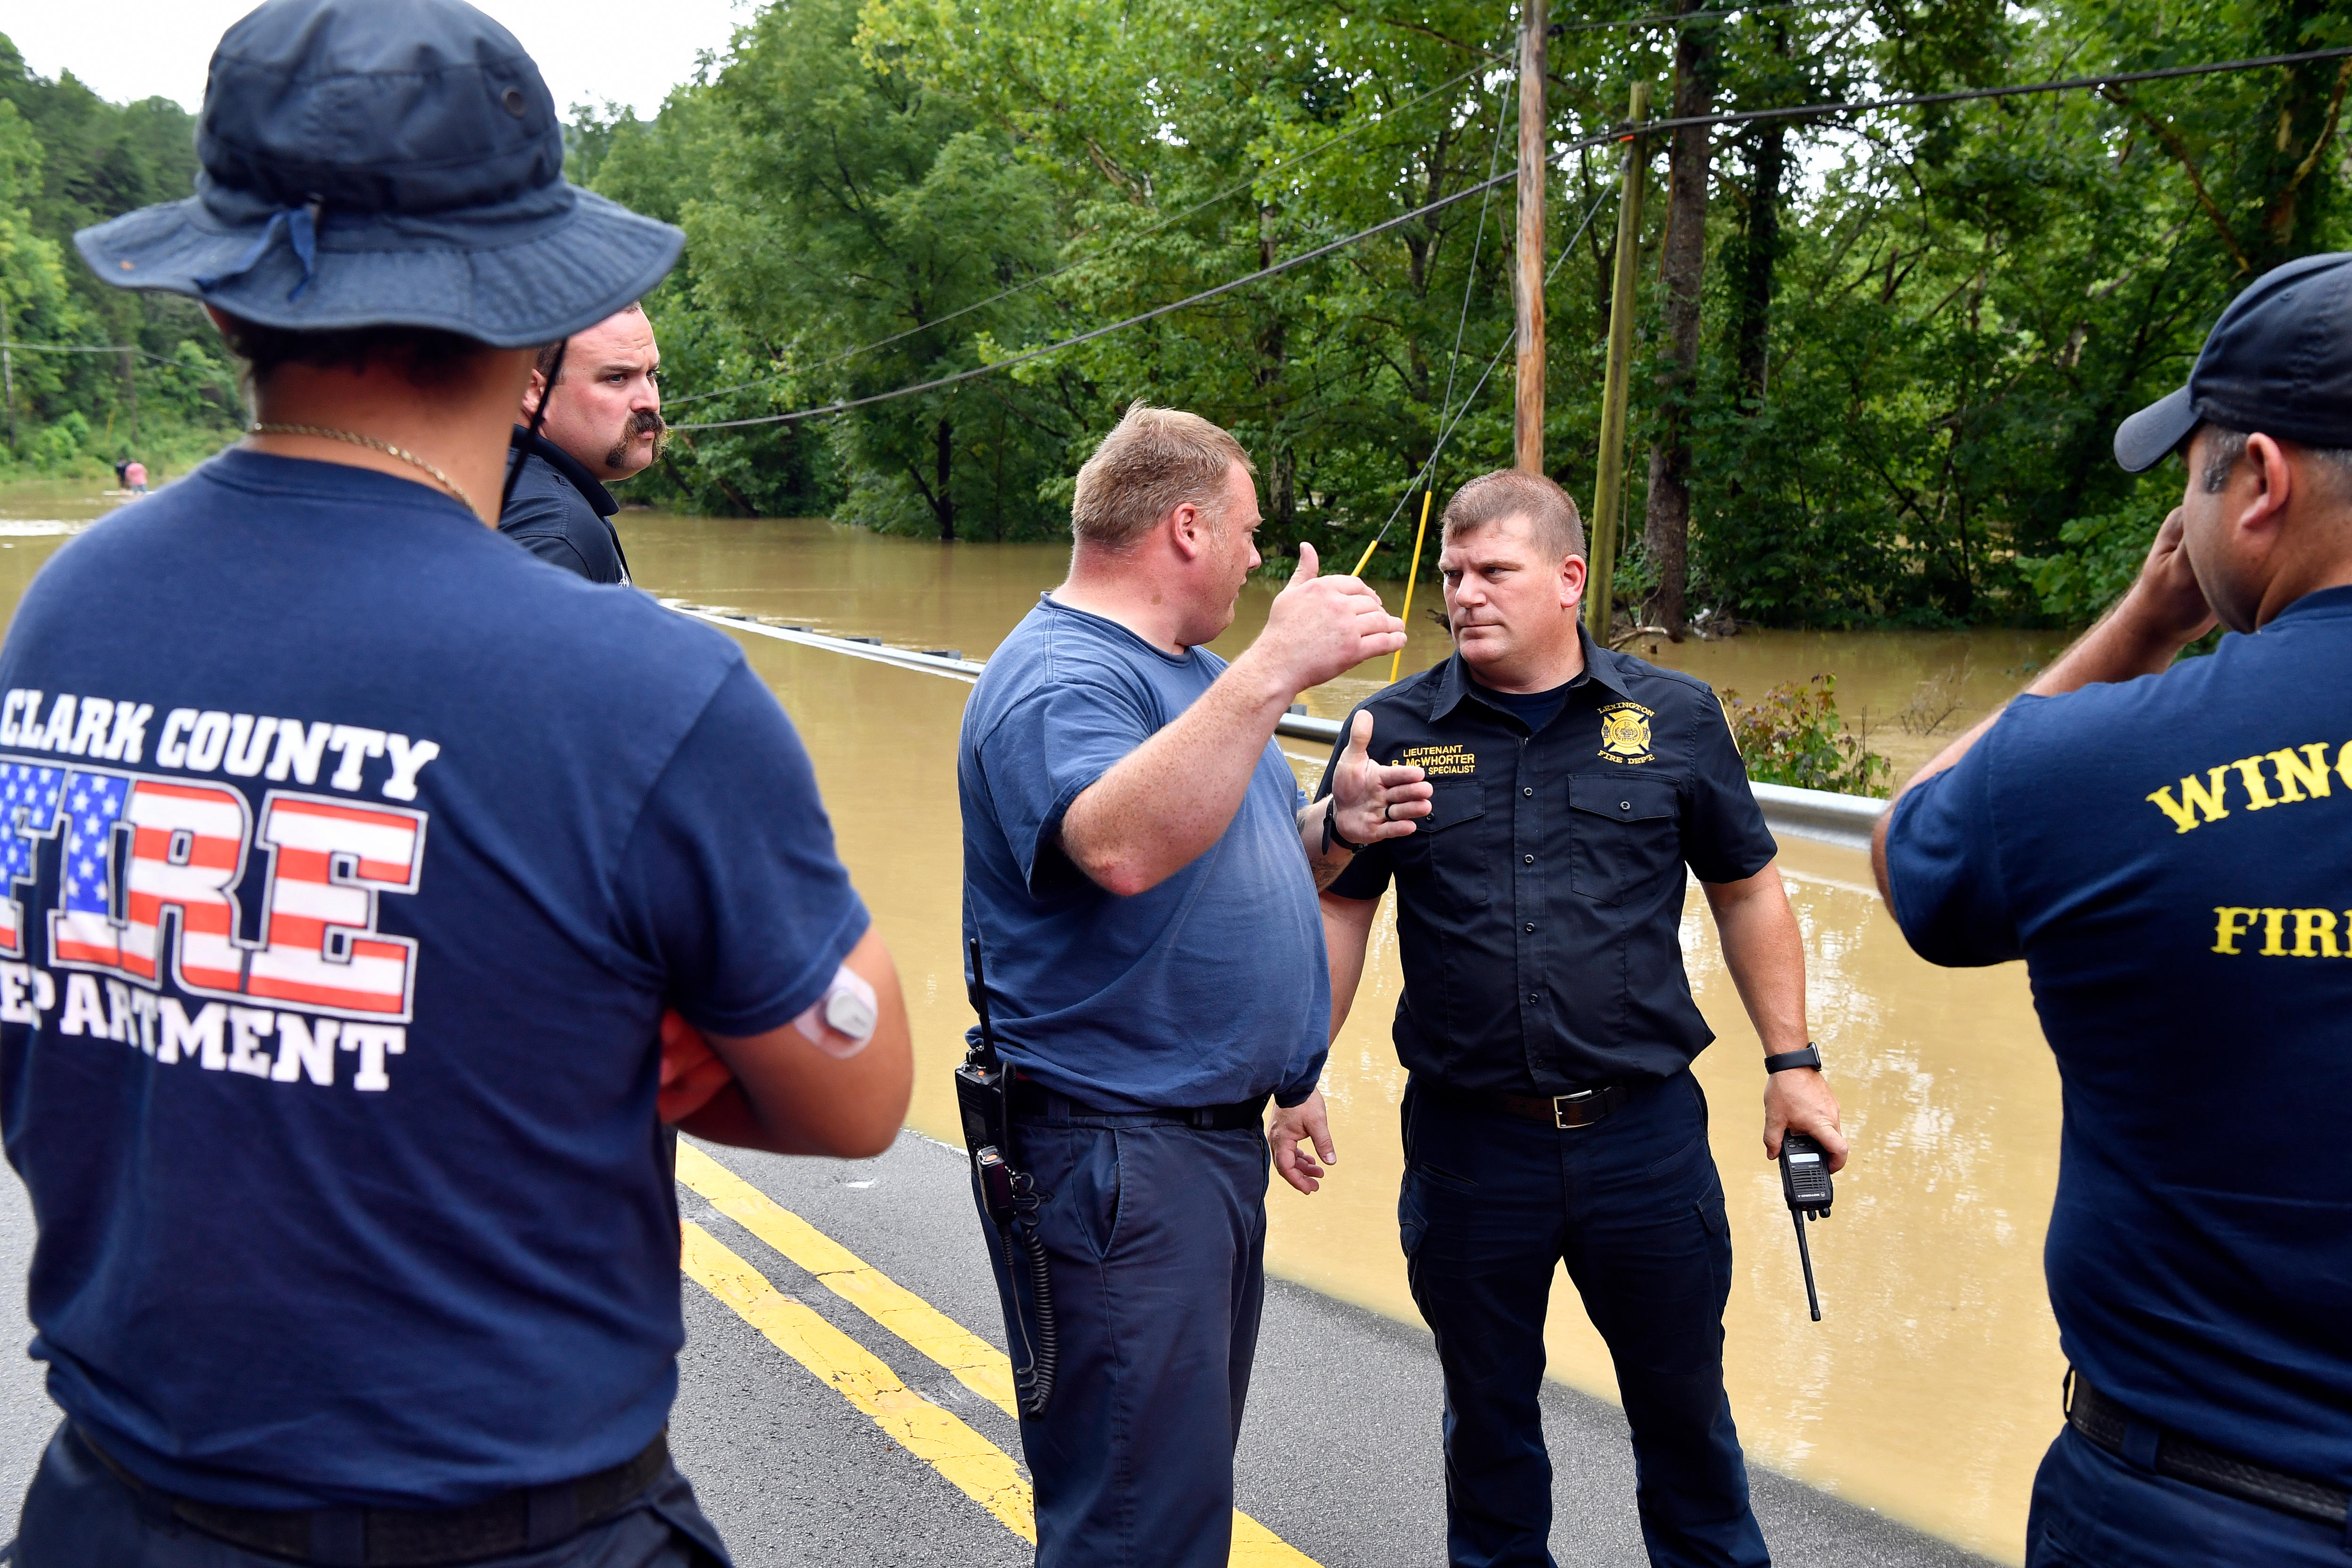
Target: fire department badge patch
(1625,733)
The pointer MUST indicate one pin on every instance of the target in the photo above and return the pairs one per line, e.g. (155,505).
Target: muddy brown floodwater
(1930,1389)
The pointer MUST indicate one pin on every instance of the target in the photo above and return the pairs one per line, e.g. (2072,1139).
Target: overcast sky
(589,51)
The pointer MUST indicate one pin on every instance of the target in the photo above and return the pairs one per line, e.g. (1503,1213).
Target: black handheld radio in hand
(1805,1183)
(983,1097)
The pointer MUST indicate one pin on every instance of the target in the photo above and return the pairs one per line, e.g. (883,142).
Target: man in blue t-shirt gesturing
(2166,846)
(1137,871)
(351,858)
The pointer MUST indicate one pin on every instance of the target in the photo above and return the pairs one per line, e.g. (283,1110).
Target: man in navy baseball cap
(2279,361)
(2164,844)
(338,926)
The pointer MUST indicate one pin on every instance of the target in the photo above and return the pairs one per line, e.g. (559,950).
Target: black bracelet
(1332,834)
(1810,1057)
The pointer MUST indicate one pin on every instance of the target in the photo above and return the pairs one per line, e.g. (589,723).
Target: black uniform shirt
(1539,905)
(557,512)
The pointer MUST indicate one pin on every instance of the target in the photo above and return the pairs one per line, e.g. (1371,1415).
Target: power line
(1470,273)
(1689,16)
(103,349)
(1445,432)
(1198,207)
(1622,133)
(1927,100)
(1562,28)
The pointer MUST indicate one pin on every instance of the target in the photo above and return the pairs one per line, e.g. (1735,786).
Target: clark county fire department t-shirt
(352,854)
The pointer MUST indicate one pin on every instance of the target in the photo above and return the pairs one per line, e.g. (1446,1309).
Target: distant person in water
(134,477)
(603,424)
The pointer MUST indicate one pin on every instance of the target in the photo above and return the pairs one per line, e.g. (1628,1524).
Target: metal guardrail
(1845,819)
(949,662)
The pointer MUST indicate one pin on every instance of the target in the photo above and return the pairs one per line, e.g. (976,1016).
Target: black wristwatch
(1810,1057)
(1332,834)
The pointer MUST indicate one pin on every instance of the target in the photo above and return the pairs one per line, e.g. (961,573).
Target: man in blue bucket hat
(338,929)
(2164,843)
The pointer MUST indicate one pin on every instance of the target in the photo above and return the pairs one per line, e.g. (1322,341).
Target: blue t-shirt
(2169,858)
(352,853)
(1208,989)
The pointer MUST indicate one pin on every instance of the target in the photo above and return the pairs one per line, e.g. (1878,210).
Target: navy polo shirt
(561,513)
(1539,904)
(2169,857)
(1208,989)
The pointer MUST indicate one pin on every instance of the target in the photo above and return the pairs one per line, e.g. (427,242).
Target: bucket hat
(385,163)
(2279,361)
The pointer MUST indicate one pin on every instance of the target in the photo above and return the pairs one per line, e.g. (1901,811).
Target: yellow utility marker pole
(1609,499)
(1397,660)
(977,1364)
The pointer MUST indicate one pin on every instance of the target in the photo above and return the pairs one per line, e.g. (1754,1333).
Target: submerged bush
(1792,735)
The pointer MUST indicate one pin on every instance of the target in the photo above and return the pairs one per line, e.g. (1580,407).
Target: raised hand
(2167,602)
(1375,802)
(1323,626)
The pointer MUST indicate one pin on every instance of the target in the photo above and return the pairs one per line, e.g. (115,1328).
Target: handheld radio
(983,1096)
(1805,1183)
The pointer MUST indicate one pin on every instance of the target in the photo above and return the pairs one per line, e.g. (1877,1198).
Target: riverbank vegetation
(1793,734)
(1881,354)
(94,373)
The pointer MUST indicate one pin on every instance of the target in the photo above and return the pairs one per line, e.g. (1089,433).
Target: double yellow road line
(970,1462)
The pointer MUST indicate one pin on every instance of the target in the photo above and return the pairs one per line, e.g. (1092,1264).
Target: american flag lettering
(139,875)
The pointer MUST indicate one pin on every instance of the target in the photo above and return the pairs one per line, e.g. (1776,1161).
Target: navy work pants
(2094,1509)
(1156,1237)
(1490,1206)
(79,1514)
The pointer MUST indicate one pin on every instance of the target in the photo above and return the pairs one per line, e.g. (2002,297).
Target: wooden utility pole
(8,376)
(1527,418)
(1609,497)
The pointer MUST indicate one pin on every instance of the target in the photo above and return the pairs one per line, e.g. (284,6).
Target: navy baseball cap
(2279,361)
(385,163)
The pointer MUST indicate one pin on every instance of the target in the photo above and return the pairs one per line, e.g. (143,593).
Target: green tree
(1880,381)
(93,160)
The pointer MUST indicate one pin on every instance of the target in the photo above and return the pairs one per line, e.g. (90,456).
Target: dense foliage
(1915,332)
(1880,390)
(69,159)
(1793,735)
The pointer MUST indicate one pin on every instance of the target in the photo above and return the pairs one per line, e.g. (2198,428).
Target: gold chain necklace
(402,453)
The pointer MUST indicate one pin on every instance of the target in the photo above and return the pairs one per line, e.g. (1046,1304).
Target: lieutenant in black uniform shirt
(1549,1027)
(603,424)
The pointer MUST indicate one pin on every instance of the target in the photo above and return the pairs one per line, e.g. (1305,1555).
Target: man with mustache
(602,424)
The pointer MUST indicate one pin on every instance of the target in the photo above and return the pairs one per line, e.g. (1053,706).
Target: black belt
(416,1537)
(1565,1112)
(1031,1097)
(2119,1432)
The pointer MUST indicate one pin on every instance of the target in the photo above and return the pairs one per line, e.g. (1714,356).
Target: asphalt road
(1338,1457)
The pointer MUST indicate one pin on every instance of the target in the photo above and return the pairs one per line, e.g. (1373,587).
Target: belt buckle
(1559,1104)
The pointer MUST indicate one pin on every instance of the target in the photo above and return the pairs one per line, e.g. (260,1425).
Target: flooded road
(1930,1389)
